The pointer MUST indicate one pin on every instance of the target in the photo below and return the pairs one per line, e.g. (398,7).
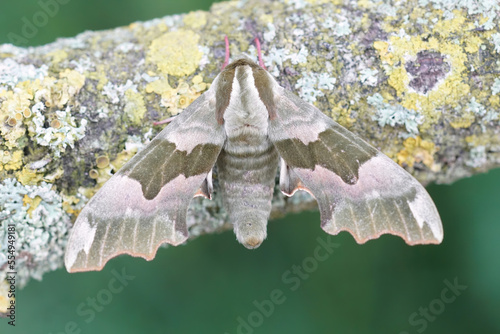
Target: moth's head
(224,83)
(242,60)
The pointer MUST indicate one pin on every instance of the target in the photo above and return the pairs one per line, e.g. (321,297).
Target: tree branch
(421,83)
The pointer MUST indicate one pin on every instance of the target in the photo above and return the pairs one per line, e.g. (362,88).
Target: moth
(248,126)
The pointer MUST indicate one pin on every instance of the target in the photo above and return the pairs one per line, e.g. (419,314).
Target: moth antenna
(259,53)
(226,60)
(164,121)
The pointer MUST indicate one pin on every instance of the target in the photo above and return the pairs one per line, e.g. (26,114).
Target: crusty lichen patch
(418,150)
(176,99)
(175,52)
(134,106)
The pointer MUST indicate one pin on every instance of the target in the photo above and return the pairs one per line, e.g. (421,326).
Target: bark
(418,81)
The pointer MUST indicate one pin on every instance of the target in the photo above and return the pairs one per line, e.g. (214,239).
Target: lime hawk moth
(248,126)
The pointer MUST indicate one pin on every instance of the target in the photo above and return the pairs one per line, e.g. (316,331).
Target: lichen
(57,139)
(495,88)
(195,20)
(177,99)
(395,114)
(175,52)
(310,86)
(448,92)
(134,106)
(41,228)
(477,157)
(418,150)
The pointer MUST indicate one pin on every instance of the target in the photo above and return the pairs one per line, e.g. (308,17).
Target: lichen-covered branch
(418,80)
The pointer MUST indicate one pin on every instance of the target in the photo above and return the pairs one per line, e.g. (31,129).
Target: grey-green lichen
(41,226)
(419,80)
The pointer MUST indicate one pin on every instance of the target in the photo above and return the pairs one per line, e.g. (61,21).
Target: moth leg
(206,187)
(164,121)
(289,181)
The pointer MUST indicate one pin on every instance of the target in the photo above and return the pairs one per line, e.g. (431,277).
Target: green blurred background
(213,284)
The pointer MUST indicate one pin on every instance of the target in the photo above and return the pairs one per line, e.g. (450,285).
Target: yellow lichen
(122,158)
(266,18)
(366,4)
(176,99)
(93,174)
(99,75)
(462,121)
(494,101)
(135,107)
(175,52)
(57,55)
(11,161)
(29,177)
(160,87)
(55,123)
(69,203)
(74,79)
(195,20)
(448,92)
(319,2)
(456,24)
(102,161)
(482,140)
(472,44)
(31,203)
(417,150)
(340,113)
(383,51)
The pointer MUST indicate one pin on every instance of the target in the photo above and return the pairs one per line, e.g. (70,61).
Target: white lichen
(342,28)
(299,57)
(488,8)
(57,139)
(41,227)
(205,56)
(310,85)
(386,9)
(325,81)
(395,115)
(127,47)
(11,73)
(477,157)
(298,4)
(270,33)
(495,39)
(495,88)
(116,92)
(476,108)
(83,65)
(368,77)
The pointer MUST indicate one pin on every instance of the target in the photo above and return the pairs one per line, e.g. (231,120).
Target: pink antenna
(226,60)
(259,53)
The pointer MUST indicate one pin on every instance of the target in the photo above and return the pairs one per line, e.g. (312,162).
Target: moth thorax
(246,113)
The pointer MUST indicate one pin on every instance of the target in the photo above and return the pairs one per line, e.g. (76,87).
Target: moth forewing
(145,203)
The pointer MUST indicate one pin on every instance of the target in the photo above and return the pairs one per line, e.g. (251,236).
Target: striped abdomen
(247,168)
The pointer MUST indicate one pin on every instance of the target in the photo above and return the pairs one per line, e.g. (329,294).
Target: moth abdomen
(246,178)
